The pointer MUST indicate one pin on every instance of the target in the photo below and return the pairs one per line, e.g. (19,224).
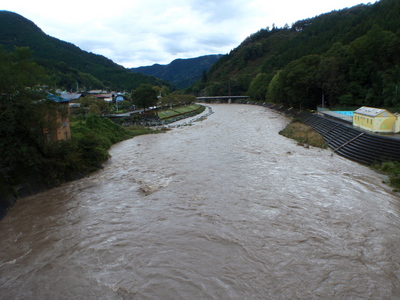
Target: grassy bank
(94,136)
(64,161)
(304,134)
(176,111)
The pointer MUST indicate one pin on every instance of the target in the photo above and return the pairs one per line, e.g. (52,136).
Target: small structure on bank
(376,120)
(58,124)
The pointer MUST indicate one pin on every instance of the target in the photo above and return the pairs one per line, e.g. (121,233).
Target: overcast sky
(137,33)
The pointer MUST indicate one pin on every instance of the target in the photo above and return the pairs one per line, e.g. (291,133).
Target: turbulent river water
(223,209)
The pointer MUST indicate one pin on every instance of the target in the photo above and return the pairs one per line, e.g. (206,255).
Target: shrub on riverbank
(63,161)
(94,136)
(304,134)
(392,169)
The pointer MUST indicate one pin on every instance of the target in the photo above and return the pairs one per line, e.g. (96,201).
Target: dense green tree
(374,56)
(144,96)
(259,85)
(301,88)
(165,91)
(332,74)
(365,72)
(217,89)
(275,93)
(176,99)
(22,110)
(331,79)
(204,76)
(94,105)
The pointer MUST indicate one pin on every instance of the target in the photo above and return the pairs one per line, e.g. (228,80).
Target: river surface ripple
(224,209)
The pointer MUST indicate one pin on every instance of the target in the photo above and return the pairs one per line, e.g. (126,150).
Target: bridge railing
(227,98)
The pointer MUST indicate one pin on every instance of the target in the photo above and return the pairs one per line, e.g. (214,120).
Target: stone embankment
(153,120)
(188,120)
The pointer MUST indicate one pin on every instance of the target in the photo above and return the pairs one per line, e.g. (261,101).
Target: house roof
(96,92)
(369,111)
(108,95)
(71,96)
(57,98)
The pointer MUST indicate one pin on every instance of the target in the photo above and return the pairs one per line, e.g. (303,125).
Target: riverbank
(21,181)
(307,135)
(223,209)
(189,120)
(160,117)
(66,160)
(172,112)
(303,134)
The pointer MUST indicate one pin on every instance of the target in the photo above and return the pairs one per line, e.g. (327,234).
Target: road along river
(224,209)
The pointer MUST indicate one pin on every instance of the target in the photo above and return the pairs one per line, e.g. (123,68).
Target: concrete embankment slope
(348,141)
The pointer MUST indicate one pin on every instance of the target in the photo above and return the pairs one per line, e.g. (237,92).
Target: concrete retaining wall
(348,141)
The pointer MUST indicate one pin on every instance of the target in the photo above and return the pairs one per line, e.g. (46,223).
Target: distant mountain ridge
(61,56)
(181,72)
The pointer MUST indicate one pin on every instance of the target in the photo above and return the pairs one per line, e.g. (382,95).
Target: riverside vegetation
(29,162)
(392,169)
(177,111)
(303,134)
(50,164)
(63,161)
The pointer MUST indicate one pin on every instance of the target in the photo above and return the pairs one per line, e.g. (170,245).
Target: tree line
(27,155)
(345,58)
(364,73)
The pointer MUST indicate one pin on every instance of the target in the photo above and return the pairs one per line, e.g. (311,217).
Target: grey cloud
(220,11)
(152,31)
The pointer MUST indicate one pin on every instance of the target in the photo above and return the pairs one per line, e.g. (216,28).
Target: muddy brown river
(223,209)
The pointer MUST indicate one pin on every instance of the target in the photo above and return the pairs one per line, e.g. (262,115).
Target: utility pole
(229,91)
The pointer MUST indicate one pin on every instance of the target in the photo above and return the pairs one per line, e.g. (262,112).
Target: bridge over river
(227,99)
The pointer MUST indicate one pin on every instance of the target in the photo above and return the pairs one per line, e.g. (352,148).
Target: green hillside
(70,64)
(181,72)
(349,56)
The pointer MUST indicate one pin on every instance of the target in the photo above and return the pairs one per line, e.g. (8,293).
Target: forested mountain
(350,56)
(70,65)
(347,57)
(181,72)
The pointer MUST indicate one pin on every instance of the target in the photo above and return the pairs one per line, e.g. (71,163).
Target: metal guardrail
(337,115)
